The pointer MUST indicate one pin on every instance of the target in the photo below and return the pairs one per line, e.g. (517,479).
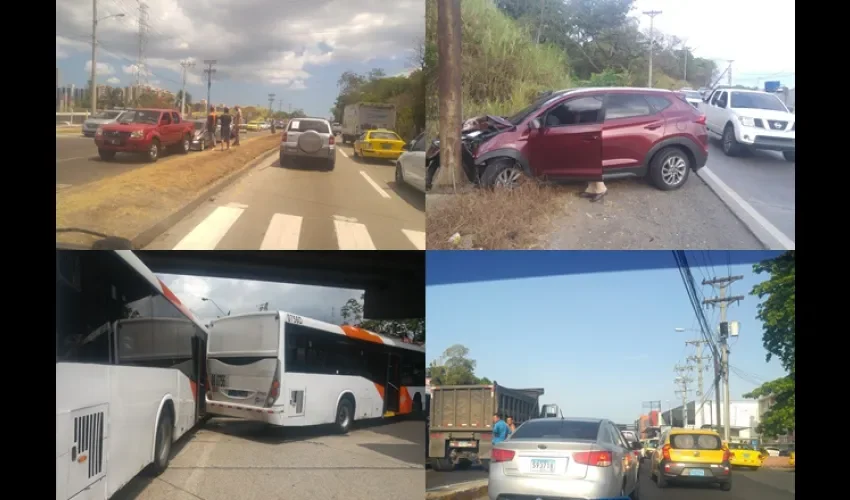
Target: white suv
(750,119)
(308,139)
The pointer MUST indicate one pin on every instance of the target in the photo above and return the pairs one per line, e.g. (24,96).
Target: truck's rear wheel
(442,464)
(153,151)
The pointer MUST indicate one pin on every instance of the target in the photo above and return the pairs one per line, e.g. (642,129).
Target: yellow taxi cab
(744,455)
(253,126)
(692,456)
(381,144)
(791,457)
(649,446)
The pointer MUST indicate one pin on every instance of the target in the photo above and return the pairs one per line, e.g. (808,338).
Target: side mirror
(535,124)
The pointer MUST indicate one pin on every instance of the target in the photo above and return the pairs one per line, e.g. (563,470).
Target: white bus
(130,366)
(288,370)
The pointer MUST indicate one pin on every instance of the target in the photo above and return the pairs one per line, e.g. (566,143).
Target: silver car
(91,125)
(410,166)
(563,458)
(308,139)
(201,139)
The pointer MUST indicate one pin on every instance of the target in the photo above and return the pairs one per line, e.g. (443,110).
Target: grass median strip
(127,204)
(69,130)
(488,219)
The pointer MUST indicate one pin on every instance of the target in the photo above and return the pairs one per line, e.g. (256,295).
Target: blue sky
(294,49)
(600,340)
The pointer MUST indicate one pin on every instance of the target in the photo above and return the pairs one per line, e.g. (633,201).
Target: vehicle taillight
(593,458)
(727,455)
(274,390)
(500,455)
(701,119)
(283,137)
(331,140)
(665,452)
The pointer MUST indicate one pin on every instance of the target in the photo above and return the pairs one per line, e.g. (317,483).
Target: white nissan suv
(750,119)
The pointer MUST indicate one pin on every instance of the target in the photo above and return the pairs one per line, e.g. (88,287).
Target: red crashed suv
(590,134)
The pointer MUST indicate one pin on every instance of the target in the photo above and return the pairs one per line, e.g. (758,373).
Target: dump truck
(460,423)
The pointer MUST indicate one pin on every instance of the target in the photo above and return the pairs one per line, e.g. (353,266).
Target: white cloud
(102,68)
(263,42)
(113,81)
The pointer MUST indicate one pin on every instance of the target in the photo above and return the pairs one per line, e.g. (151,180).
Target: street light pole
(93,87)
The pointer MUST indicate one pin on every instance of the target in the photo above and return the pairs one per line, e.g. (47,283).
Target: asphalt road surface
(434,479)
(77,161)
(764,180)
(228,459)
(356,206)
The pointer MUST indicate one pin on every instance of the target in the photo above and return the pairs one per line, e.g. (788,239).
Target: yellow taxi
(791,457)
(253,126)
(649,446)
(381,144)
(692,456)
(744,455)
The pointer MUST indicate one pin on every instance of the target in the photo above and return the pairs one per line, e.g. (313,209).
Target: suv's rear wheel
(730,143)
(790,156)
(505,173)
(669,169)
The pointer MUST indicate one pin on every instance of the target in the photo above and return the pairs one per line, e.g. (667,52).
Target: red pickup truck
(146,132)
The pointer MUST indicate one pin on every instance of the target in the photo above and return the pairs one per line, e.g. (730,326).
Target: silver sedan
(564,457)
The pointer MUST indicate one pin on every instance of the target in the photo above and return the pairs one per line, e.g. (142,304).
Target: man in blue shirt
(500,429)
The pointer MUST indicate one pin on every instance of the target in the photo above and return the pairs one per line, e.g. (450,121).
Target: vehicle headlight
(99,131)
(137,134)
(747,121)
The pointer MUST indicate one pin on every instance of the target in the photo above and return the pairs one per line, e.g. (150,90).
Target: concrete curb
(471,490)
(147,236)
(769,236)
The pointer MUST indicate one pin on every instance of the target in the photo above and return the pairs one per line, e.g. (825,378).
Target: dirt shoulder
(128,204)
(633,216)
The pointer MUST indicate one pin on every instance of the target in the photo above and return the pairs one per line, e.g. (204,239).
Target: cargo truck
(460,423)
(363,116)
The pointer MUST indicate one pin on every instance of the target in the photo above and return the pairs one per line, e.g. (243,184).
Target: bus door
(392,393)
(199,366)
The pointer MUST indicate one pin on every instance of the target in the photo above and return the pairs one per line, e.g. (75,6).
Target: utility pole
(140,62)
(729,73)
(698,359)
(540,24)
(449,32)
(186,65)
(683,380)
(209,71)
(651,14)
(722,300)
(93,86)
(271,103)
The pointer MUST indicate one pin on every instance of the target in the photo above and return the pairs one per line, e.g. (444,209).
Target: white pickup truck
(750,119)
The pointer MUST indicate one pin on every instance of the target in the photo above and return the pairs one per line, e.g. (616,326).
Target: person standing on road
(211,122)
(500,429)
(595,191)
(511,425)
(237,121)
(226,120)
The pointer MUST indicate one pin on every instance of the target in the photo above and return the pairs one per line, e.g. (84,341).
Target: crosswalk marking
(210,232)
(352,236)
(415,237)
(283,233)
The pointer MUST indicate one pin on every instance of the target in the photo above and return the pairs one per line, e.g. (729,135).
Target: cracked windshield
(224,125)
(611,124)
(602,375)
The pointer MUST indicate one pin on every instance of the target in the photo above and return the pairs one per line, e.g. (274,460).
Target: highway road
(227,459)
(356,206)
(764,180)
(764,484)
(77,161)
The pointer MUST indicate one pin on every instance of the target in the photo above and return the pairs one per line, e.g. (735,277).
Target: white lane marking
(415,237)
(374,185)
(786,242)
(74,158)
(352,236)
(283,233)
(343,153)
(209,233)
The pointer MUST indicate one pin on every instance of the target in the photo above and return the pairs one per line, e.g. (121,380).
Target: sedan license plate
(696,472)
(542,466)
(386,146)
(115,141)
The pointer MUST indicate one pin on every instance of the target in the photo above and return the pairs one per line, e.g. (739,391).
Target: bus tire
(162,448)
(344,414)
(417,405)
